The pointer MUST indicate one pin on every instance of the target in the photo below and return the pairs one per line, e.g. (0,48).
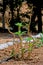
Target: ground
(5,37)
(37,54)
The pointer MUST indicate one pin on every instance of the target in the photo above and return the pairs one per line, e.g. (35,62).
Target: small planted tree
(22,52)
(20,33)
(30,47)
(40,41)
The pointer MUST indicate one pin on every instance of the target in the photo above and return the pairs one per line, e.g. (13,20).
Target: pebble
(37,36)
(10,43)
(2,46)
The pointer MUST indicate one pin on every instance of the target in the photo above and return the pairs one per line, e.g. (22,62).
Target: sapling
(37,43)
(19,26)
(40,42)
(20,33)
(19,30)
(30,49)
(22,52)
(21,49)
(30,46)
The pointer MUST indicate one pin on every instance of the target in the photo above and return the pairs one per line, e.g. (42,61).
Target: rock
(2,46)
(10,43)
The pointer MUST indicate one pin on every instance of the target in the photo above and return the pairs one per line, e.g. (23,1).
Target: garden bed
(36,57)
(6,59)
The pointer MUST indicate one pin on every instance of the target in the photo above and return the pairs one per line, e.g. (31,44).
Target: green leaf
(30,47)
(19,24)
(12,53)
(23,32)
(20,33)
(23,50)
(39,45)
(30,44)
(28,39)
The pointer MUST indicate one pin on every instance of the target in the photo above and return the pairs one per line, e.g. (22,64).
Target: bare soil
(5,37)
(37,53)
